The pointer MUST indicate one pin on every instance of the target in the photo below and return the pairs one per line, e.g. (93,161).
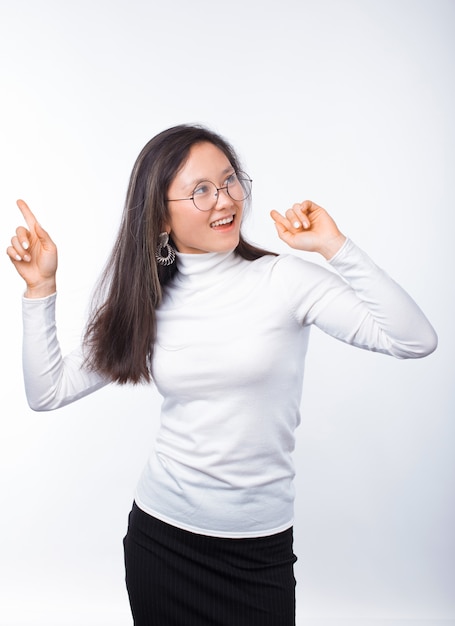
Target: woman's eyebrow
(196,181)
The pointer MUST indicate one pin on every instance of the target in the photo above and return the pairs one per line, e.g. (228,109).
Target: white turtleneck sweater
(229,360)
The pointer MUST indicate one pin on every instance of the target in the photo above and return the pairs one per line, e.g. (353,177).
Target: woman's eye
(201,190)
(232,179)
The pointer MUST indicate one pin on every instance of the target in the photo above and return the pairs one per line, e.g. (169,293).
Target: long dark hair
(121,329)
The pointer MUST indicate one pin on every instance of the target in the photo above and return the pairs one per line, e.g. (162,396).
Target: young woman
(221,328)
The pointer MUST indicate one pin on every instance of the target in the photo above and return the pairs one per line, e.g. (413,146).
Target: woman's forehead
(205,161)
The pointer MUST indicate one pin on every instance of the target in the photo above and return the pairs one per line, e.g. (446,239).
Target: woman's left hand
(307,226)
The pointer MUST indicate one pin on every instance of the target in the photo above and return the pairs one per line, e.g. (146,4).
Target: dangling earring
(164,246)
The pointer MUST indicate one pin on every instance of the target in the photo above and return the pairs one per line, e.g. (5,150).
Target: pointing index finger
(277,217)
(26,212)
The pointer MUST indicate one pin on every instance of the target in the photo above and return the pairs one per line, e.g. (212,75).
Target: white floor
(373,622)
(32,616)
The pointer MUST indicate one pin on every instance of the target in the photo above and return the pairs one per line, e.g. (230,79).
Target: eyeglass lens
(238,186)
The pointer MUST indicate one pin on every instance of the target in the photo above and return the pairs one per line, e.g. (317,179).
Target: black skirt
(178,578)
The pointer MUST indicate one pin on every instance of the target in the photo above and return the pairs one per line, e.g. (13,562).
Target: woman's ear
(165,228)
(166,223)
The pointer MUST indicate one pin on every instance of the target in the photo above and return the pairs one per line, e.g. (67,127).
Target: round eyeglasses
(205,194)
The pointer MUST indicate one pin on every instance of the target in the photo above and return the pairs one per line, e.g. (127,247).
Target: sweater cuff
(350,260)
(38,314)
(52,295)
(345,249)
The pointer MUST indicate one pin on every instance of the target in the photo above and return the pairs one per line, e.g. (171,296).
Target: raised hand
(34,255)
(307,226)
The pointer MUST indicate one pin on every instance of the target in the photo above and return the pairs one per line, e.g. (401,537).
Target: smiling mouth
(225,221)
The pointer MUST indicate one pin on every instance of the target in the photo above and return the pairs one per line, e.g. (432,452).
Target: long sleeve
(51,380)
(362,306)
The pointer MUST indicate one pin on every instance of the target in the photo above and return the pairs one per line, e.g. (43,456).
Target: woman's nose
(223,198)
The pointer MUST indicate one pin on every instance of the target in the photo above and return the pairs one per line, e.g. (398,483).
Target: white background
(350,103)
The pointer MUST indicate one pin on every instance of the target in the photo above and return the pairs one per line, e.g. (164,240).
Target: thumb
(43,236)
(40,232)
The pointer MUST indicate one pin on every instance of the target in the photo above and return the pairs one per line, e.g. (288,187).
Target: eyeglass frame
(218,189)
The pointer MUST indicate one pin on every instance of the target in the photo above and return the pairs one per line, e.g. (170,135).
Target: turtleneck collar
(203,269)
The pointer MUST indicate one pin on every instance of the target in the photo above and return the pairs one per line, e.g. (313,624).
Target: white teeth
(226,220)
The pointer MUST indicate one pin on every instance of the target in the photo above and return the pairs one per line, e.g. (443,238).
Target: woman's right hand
(34,255)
